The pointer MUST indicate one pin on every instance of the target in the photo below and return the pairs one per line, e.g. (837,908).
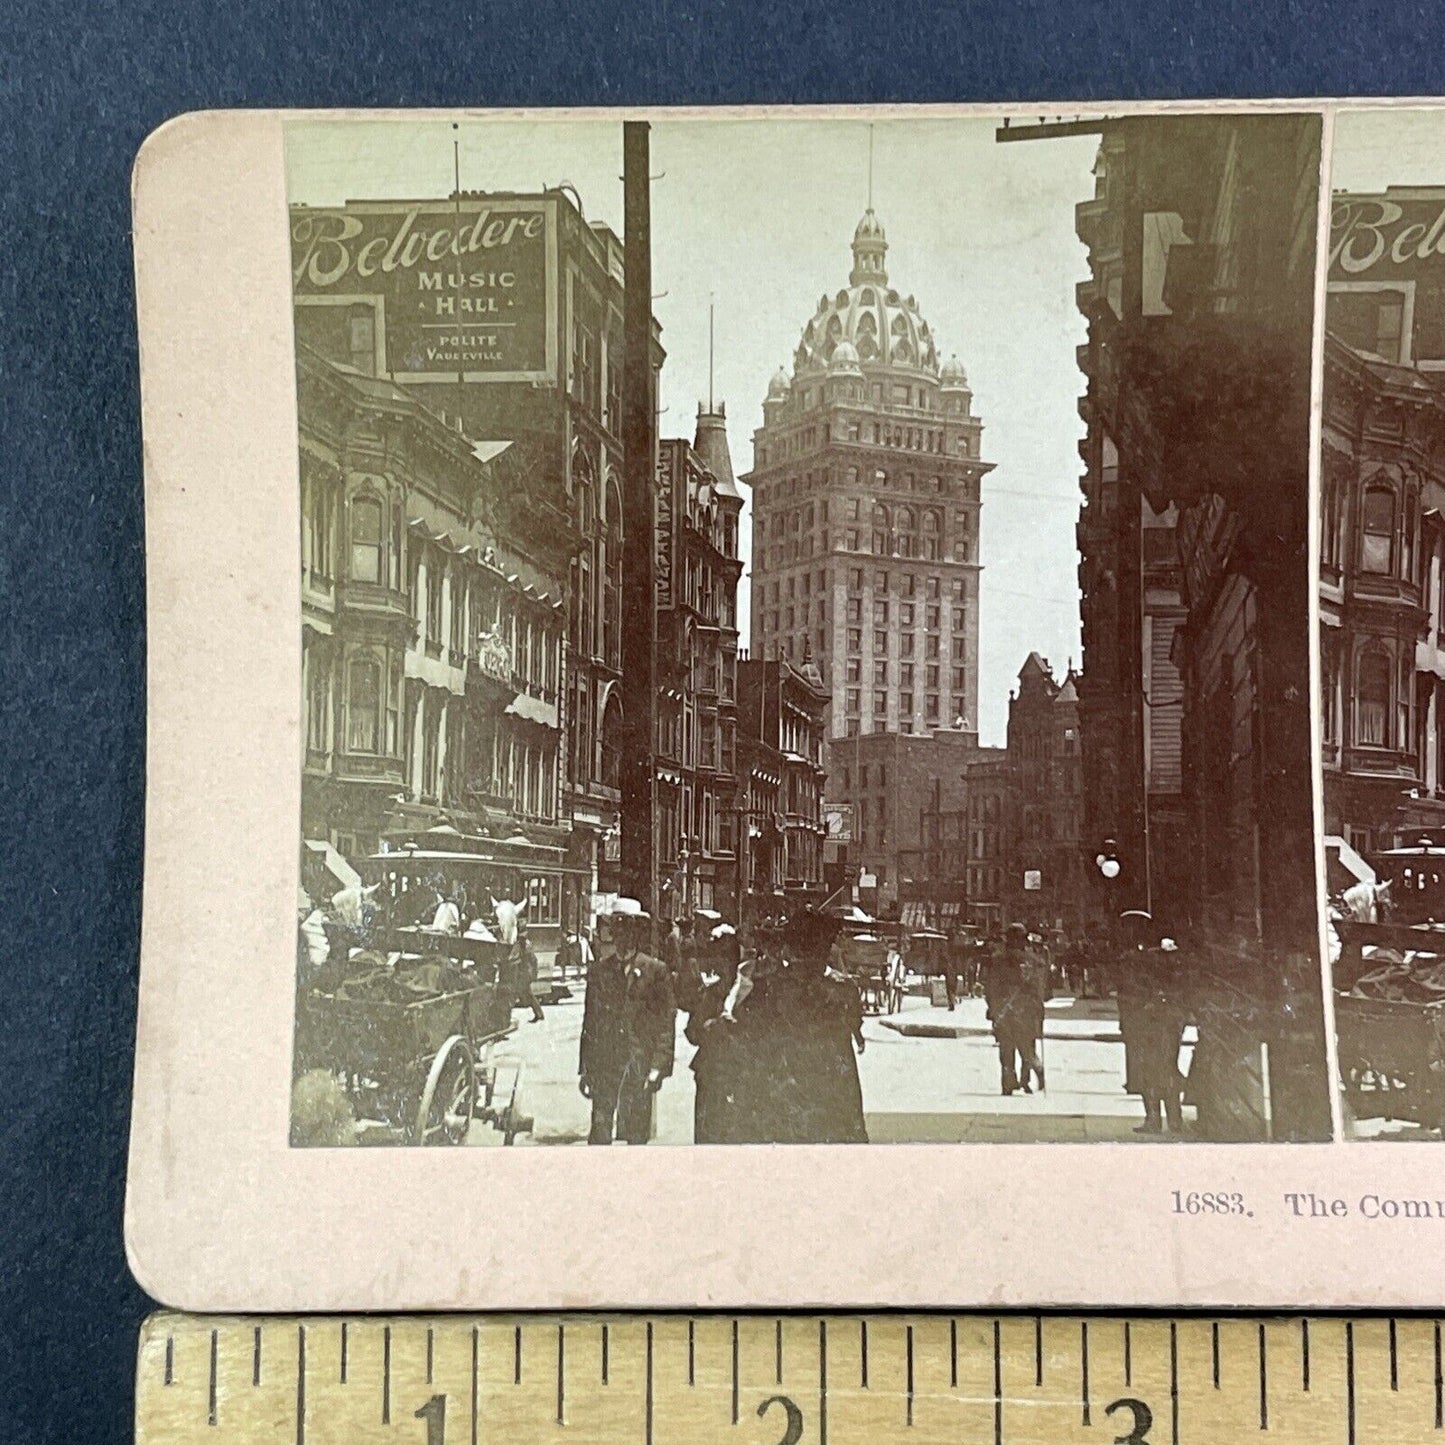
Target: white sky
(1379,148)
(758,216)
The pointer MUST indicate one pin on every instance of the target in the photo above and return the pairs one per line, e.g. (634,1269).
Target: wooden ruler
(761,1380)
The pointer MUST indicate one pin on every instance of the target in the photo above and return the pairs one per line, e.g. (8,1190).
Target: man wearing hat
(1151,1021)
(820,1097)
(629,1025)
(1015,1010)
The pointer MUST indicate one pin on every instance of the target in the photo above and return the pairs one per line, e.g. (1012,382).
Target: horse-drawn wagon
(1390,1021)
(411,1031)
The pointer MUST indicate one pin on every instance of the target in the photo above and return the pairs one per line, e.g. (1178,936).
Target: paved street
(928,1075)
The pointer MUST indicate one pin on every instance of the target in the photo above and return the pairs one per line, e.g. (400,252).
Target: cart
(1391,1049)
(865,960)
(414,1040)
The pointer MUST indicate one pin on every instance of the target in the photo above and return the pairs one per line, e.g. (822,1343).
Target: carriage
(864,957)
(1390,1021)
(412,1032)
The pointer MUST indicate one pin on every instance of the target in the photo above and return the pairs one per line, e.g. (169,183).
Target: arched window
(1377,552)
(365,539)
(612,743)
(1372,699)
(363,704)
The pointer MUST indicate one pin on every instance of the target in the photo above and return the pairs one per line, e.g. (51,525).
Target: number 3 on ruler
(434,1412)
(1143,1418)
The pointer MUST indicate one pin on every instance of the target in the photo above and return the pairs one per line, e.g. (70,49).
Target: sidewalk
(927,1076)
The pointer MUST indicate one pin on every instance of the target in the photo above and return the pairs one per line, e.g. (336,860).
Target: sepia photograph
(1382,618)
(805,630)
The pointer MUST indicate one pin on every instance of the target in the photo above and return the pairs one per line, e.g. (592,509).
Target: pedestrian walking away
(1015,1010)
(628,1028)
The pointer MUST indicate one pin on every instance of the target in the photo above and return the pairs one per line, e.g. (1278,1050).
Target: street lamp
(1107,860)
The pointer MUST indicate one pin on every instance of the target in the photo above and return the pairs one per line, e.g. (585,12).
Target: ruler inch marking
(648,1414)
(605,1352)
(1214,1346)
(735,1372)
(430,1355)
(476,1371)
(301,1385)
(691,1354)
(1350,1381)
(1439,1383)
(1084,1368)
(256,1356)
(908,1350)
(1304,1347)
(344,1339)
(170,1376)
(953,1354)
(561,1372)
(1128,1354)
(211,1384)
(1173,1383)
(863,1350)
(1263,1380)
(1038,1353)
(1394,1358)
(517,1355)
(997,1383)
(386,1375)
(823,1380)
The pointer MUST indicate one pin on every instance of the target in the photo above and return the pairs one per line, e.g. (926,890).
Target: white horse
(1367,902)
(507,915)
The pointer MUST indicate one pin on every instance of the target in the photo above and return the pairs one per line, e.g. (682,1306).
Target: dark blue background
(80,86)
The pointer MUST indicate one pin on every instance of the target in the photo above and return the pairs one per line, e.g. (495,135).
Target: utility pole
(639,523)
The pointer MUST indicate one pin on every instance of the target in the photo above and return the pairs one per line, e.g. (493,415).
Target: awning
(533,709)
(345,875)
(1343,865)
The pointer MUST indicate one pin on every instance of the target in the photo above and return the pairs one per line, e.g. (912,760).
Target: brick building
(503,312)
(1194,537)
(433,629)
(1382,540)
(697,661)
(780,743)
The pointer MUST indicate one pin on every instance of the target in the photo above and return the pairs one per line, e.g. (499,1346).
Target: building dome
(844,361)
(779,386)
(876,325)
(952,375)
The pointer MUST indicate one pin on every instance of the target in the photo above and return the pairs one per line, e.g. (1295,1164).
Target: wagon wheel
(445,1112)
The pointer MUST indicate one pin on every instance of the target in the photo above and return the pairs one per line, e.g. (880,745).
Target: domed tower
(866,477)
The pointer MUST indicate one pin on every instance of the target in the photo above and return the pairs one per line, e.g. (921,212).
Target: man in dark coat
(711,1034)
(1152,1016)
(629,1026)
(522,973)
(822,1026)
(1014,1008)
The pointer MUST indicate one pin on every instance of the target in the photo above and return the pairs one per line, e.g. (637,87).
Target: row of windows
(884,433)
(906,673)
(907,643)
(904,584)
(907,614)
(768,494)
(932,702)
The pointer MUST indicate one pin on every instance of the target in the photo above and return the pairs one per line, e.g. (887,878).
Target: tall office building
(865,480)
